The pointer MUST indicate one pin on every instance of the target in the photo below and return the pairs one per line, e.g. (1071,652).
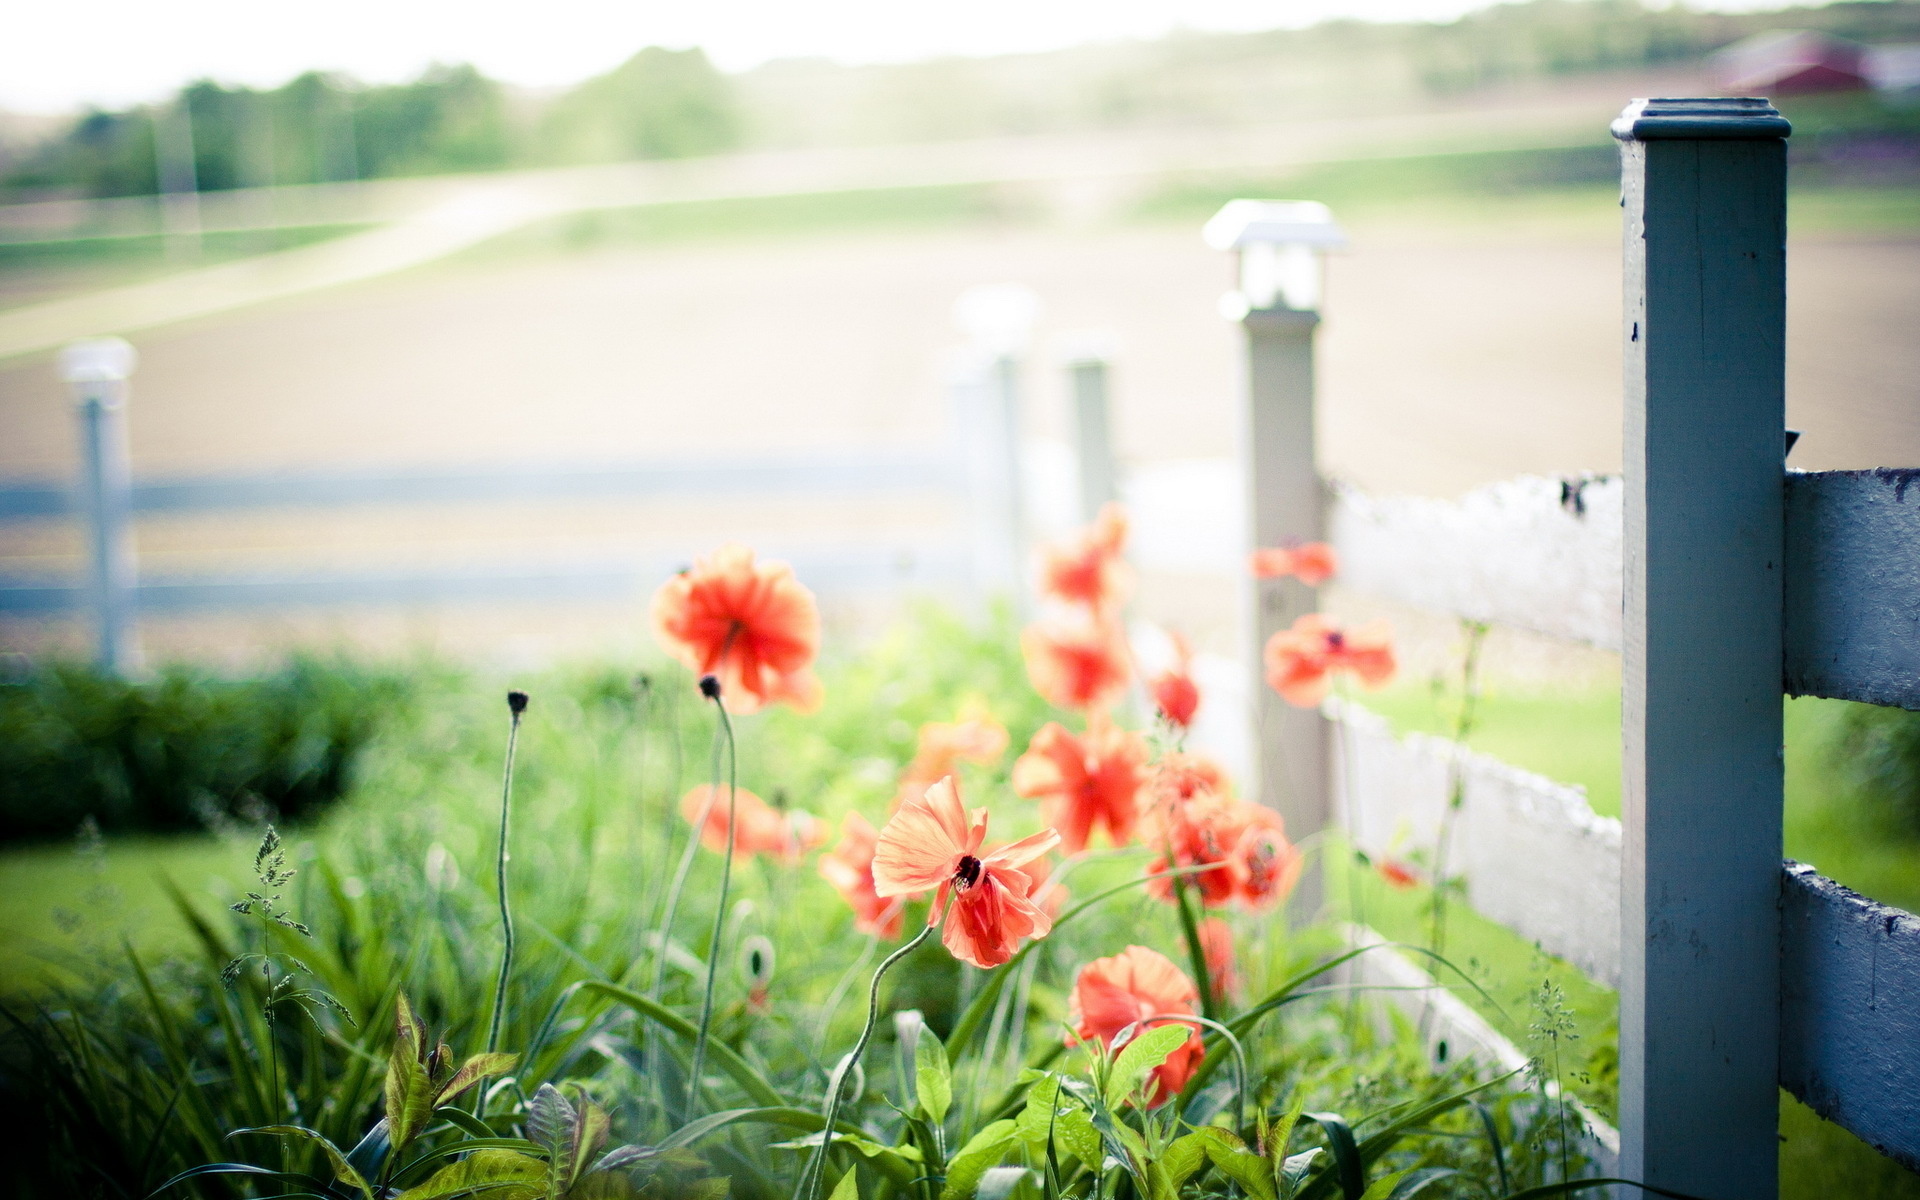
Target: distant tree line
(320,128)
(666,103)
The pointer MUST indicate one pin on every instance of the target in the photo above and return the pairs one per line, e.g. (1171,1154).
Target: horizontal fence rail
(840,570)
(914,469)
(1545,555)
(1853,585)
(1850,1010)
(1532,553)
(1534,855)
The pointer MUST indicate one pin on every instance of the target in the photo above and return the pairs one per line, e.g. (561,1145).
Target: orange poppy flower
(1091,572)
(934,843)
(1083,782)
(849,868)
(753,626)
(943,745)
(759,828)
(1242,847)
(1130,989)
(1082,667)
(1312,563)
(1216,946)
(1301,660)
(1265,866)
(1175,694)
(1397,874)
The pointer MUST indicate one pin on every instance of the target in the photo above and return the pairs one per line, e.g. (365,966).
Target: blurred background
(465,356)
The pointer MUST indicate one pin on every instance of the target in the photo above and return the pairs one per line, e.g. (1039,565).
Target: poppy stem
(1196,950)
(516,705)
(720,907)
(810,1180)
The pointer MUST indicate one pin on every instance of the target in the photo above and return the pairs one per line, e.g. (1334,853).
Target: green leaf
(498,1174)
(342,1169)
(1418,1180)
(1234,1159)
(553,1125)
(1138,1058)
(472,1071)
(591,1124)
(1348,1168)
(849,1186)
(409,1093)
(933,1079)
(1051,1109)
(1385,1186)
(982,1151)
(1185,1156)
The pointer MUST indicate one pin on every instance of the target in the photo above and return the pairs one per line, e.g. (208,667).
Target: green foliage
(658,104)
(186,750)
(148,1072)
(1879,750)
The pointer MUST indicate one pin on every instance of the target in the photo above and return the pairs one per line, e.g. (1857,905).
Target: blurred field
(1470,336)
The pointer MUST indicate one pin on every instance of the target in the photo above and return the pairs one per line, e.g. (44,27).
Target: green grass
(37,270)
(1574,737)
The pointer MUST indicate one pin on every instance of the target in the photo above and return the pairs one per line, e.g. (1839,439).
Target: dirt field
(1454,354)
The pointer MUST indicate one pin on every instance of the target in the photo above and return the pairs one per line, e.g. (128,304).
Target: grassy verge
(34,271)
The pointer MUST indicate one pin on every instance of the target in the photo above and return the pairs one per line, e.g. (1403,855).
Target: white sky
(56,55)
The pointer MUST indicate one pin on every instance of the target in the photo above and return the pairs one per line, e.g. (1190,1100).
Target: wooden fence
(1726,581)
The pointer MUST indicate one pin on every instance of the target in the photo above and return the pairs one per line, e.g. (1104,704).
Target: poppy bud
(710,686)
(516,702)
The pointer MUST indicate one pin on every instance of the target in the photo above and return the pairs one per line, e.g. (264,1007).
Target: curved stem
(500,885)
(809,1188)
(719,910)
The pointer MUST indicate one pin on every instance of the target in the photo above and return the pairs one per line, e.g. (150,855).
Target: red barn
(1787,61)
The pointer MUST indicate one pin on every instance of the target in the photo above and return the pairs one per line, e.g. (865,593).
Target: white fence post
(1705,324)
(998,320)
(1277,304)
(1088,358)
(97,373)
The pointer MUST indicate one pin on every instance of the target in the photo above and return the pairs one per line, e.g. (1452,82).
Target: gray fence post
(1088,358)
(1705,334)
(1279,245)
(97,371)
(998,320)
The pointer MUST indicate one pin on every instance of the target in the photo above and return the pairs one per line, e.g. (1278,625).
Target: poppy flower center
(968,872)
(1335,639)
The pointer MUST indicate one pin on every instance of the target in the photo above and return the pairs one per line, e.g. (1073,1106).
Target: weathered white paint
(1704,333)
(1853,585)
(1534,855)
(1850,1010)
(1538,554)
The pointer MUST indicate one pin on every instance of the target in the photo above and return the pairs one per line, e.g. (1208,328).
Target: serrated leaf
(555,1125)
(1185,1156)
(1231,1157)
(342,1169)
(472,1071)
(591,1124)
(504,1174)
(1139,1058)
(932,1077)
(983,1151)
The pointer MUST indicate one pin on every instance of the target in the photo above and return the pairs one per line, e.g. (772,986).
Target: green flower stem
(719,909)
(1196,950)
(516,704)
(809,1188)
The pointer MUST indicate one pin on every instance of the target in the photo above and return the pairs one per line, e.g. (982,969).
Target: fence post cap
(1085,347)
(997,317)
(97,360)
(1717,117)
(1243,223)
